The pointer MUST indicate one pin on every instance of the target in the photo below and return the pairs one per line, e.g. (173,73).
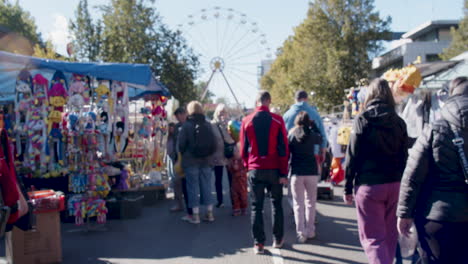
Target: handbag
(459,142)
(228,147)
(178,166)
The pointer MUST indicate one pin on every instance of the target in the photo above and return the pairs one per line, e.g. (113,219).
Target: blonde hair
(217,113)
(194,107)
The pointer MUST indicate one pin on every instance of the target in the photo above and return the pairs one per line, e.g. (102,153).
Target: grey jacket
(218,156)
(433,184)
(185,143)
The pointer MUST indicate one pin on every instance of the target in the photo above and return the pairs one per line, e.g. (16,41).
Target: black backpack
(204,143)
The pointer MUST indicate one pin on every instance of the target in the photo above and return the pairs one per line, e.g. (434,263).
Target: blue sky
(275,18)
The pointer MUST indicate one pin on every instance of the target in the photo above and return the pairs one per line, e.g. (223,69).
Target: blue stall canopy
(137,76)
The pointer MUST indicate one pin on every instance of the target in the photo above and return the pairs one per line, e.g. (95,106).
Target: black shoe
(220,205)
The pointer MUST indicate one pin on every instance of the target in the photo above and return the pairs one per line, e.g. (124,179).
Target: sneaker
(278,244)
(209,217)
(186,218)
(301,239)
(220,205)
(195,219)
(258,249)
(176,209)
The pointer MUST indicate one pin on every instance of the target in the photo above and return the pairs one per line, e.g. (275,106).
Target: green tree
(329,51)
(87,34)
(21,28)
(177,66)
(131,31)
(46,52)
(200,88)
(459,37)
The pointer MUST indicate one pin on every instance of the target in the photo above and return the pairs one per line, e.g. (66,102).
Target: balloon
(234,129)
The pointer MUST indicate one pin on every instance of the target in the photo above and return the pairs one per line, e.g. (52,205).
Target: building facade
(422,44)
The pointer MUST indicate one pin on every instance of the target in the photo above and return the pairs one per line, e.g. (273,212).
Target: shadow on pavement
(159,234)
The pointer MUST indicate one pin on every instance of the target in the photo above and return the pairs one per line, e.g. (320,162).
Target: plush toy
(40,90)
(23,100)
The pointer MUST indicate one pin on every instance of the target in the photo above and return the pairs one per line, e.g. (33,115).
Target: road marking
(276,255)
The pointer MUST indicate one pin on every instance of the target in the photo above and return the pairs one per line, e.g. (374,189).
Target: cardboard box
(40,246)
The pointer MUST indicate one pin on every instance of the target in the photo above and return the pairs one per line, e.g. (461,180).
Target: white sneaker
(278,244)
(209,217)
(195,219)
(186,218)
(301,239)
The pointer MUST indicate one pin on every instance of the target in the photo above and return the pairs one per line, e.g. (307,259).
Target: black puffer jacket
(433,183)
(377,150)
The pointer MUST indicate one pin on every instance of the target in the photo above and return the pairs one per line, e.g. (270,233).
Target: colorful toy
(23,100)
(408,79)
(234,129)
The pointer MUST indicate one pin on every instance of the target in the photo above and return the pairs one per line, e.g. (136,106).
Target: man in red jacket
(264,150)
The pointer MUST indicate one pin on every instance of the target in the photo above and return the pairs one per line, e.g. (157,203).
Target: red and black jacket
(264,143)
(8,182)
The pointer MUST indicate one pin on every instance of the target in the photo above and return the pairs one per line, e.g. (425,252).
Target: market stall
(84,128)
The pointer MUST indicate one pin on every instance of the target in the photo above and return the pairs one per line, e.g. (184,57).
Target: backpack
(204,143)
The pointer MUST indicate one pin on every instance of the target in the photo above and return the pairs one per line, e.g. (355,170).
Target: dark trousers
(218,170)
(184,190)
(261,181)
(443,242)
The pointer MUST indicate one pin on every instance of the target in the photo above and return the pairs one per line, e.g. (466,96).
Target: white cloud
(59,34)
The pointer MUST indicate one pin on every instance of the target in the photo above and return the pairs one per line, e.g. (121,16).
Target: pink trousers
(304,193)
(376,210)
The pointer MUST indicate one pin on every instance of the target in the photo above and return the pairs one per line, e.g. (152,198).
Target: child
(239,184)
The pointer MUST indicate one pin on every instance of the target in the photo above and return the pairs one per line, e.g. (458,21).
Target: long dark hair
(379,89)
(171,133)
(303,126)
(302,119)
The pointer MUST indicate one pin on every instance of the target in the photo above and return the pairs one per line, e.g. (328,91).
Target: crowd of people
(393,184)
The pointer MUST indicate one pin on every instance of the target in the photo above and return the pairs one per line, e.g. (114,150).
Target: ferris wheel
(230,47)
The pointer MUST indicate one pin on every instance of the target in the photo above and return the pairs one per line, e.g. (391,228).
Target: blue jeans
(199,181)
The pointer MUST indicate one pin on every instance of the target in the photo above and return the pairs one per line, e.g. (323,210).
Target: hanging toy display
(146,128)
(80,85)
(23,100)
(160,130)
(77,182)
(104,102)
(73,133)
(41,102)
(58,96)
(120,117)
(36,127)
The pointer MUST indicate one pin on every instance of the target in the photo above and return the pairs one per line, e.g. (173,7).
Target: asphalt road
(159,236)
